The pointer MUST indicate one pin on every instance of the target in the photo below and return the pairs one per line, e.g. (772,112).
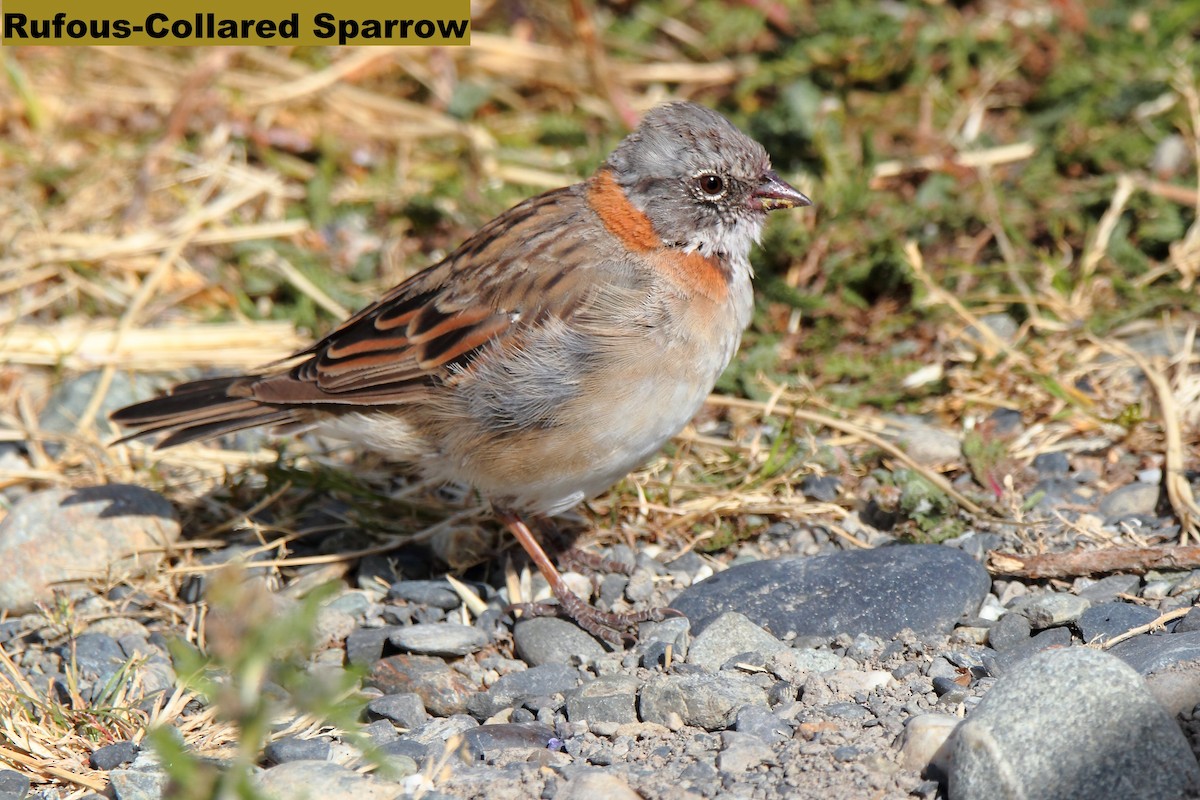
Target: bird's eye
(711,185)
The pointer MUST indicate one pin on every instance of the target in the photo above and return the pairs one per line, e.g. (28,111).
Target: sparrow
(554,351)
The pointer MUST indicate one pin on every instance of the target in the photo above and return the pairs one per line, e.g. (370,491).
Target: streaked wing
(437,322)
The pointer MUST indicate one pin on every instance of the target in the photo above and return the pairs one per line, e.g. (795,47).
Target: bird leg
(609,626)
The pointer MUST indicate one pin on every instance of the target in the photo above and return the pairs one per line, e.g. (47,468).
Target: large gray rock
(926,588)
(1071,724)
(55,537)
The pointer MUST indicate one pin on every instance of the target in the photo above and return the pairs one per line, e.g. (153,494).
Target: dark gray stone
(1071,724)
(671,637)
(97,658)
(439,639)
(609,698)
(1106,589)
(1109,620)
(113,755)
(706,700)
(405,709)
(1010,631)
(1047,639)
(1052,464)
(1153,652)
(1131,500)
(518,688)
(431,593)
(13,785)
(926,588)
(53,537)
(487,742)
(550,640)
(365,646)
(292,748)
(1190,622)
(822,488)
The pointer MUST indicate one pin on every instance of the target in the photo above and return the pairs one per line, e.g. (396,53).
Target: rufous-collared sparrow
(550,354)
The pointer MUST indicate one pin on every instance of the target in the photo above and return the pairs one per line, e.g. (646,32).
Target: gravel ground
(804,667)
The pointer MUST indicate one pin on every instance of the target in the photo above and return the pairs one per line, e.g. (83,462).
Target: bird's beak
(775,193)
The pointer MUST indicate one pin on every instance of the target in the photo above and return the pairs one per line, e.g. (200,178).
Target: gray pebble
(55,536)
(137,784)
(609,698)
(741,752)
(437,594)
(405,709)
(1131,500)
(594,784)
(1190,622)
(439,639)
(1047,639)
(13,785)
(1050,609)
(113,755)
(1010,631)
(822,488)
(927,444)
(550,640)
(518,688)
(706,700)
(1071,724)
(442,690)
(1154,652)
(729,635)
(365,646)
(926,588)
(1110,587)
(488,742)
(1109,620)
(761,723)
(293,748)
(323,779)
(1052,464)
(671,636)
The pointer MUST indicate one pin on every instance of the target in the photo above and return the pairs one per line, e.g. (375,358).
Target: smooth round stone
(1154,652)
(487,742)
(1071,724)
(439,639)
(1052,464)
(1135,499)
(1110,620)
(925,588)
(1011,630)
(550,640)
(292,748)
(1050,609)
(438,594)
(53,537)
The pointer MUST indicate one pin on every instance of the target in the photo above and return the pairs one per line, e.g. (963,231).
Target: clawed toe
(612,627)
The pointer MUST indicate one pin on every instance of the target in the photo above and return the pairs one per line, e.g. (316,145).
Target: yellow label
(225,22)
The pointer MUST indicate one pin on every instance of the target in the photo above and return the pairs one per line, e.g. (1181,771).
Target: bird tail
(200,410)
